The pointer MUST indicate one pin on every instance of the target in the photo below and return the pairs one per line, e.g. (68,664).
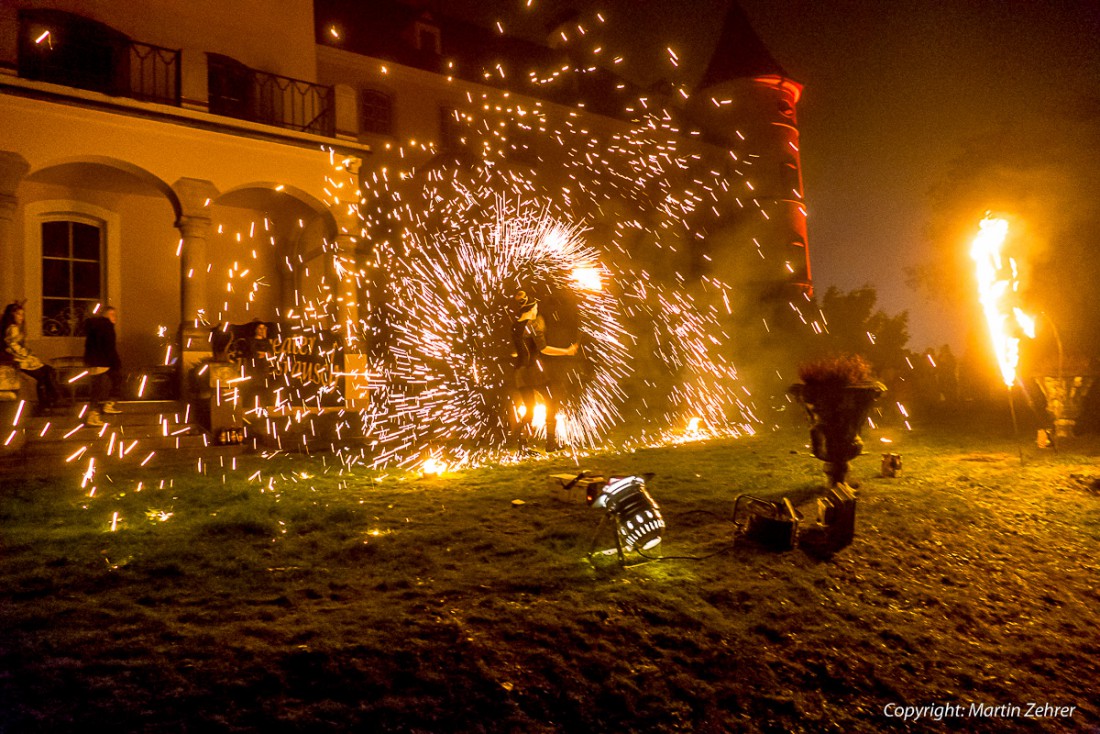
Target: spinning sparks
(444,377)
(998,291)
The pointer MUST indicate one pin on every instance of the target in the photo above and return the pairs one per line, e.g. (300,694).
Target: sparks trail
(439,325)
(440,380)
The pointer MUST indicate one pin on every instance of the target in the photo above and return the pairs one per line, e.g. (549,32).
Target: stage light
(638,521)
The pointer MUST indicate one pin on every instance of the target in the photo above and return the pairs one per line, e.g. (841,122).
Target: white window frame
(34,215)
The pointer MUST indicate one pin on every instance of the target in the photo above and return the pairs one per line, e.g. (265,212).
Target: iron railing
(62,48)
(154,73)
(259,96)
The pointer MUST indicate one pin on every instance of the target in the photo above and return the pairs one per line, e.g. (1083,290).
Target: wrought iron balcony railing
(63,48)
(154,73)
(239,91)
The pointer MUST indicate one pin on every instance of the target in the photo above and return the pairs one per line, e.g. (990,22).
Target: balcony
(244,93)
(67,49)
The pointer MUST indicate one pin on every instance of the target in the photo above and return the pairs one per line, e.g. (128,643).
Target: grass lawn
(306,600)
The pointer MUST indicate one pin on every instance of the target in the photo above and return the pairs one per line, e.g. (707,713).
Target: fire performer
(533,373)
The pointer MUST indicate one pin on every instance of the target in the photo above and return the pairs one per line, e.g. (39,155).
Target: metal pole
(1015,426)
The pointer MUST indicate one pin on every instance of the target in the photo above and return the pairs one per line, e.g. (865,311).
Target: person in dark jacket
(258,355)
(102,360)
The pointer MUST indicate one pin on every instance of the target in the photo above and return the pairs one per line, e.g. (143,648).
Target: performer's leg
(551,418)
(523,422)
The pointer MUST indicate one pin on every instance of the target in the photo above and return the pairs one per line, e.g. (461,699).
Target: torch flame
(998,288)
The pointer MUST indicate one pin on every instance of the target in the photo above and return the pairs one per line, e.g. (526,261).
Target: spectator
(102,360)
(15,350)
(257,355)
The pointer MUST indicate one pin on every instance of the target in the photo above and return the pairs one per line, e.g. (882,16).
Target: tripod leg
(619,541)
(596,536)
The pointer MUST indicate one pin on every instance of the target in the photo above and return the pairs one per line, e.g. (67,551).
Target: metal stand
(621,552)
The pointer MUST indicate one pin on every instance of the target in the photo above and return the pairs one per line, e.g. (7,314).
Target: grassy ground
(302,600)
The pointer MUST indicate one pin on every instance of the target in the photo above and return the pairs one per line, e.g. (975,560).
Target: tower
(746,102)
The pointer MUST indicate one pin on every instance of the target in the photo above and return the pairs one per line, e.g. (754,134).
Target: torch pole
(1015,425)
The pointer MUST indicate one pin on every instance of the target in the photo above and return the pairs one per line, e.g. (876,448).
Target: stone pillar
(13,167)
(193,265)
(345,273)
(195,198)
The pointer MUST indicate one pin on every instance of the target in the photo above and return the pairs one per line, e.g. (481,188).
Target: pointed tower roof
(739,53)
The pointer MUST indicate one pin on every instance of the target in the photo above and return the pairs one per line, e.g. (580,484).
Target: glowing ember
(998,291)
(433,466)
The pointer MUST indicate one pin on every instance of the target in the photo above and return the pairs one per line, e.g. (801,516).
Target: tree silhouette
(856,327)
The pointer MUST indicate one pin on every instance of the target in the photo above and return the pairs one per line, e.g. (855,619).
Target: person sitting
(102,360)
(15,348)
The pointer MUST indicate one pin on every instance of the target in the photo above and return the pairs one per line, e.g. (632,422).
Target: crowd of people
(101,359)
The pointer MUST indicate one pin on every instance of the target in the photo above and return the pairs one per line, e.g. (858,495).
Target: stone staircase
(143,433)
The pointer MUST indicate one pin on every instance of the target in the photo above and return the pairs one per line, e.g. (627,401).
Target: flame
(434,466)
(998,288)
(538,419)
(587,278)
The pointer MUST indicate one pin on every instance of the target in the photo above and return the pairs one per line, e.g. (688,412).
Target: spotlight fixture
(638,521)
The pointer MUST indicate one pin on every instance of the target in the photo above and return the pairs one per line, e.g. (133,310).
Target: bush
(841,370)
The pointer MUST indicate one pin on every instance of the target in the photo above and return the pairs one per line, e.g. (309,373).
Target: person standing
(102,360)
(15,349)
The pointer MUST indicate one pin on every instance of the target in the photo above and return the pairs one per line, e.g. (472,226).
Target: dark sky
(895,93)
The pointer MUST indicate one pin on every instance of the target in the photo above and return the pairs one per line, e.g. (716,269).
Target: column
(13,167)
(345,273)
(193,265)
(196,197)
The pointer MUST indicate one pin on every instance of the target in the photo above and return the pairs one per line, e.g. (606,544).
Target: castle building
(178,162)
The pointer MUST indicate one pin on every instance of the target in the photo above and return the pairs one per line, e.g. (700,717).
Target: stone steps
(143,431)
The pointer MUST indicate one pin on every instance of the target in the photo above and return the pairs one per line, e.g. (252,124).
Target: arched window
(73,273)
(376,112)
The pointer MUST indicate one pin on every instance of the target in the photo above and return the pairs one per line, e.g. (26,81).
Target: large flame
(998,291)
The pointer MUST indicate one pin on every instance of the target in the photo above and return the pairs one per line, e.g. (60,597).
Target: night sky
(912,114)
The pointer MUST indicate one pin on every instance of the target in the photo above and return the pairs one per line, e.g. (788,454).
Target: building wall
(127,166)
(268,35)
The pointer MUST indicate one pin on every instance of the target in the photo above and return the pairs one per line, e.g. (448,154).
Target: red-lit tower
(747,103)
